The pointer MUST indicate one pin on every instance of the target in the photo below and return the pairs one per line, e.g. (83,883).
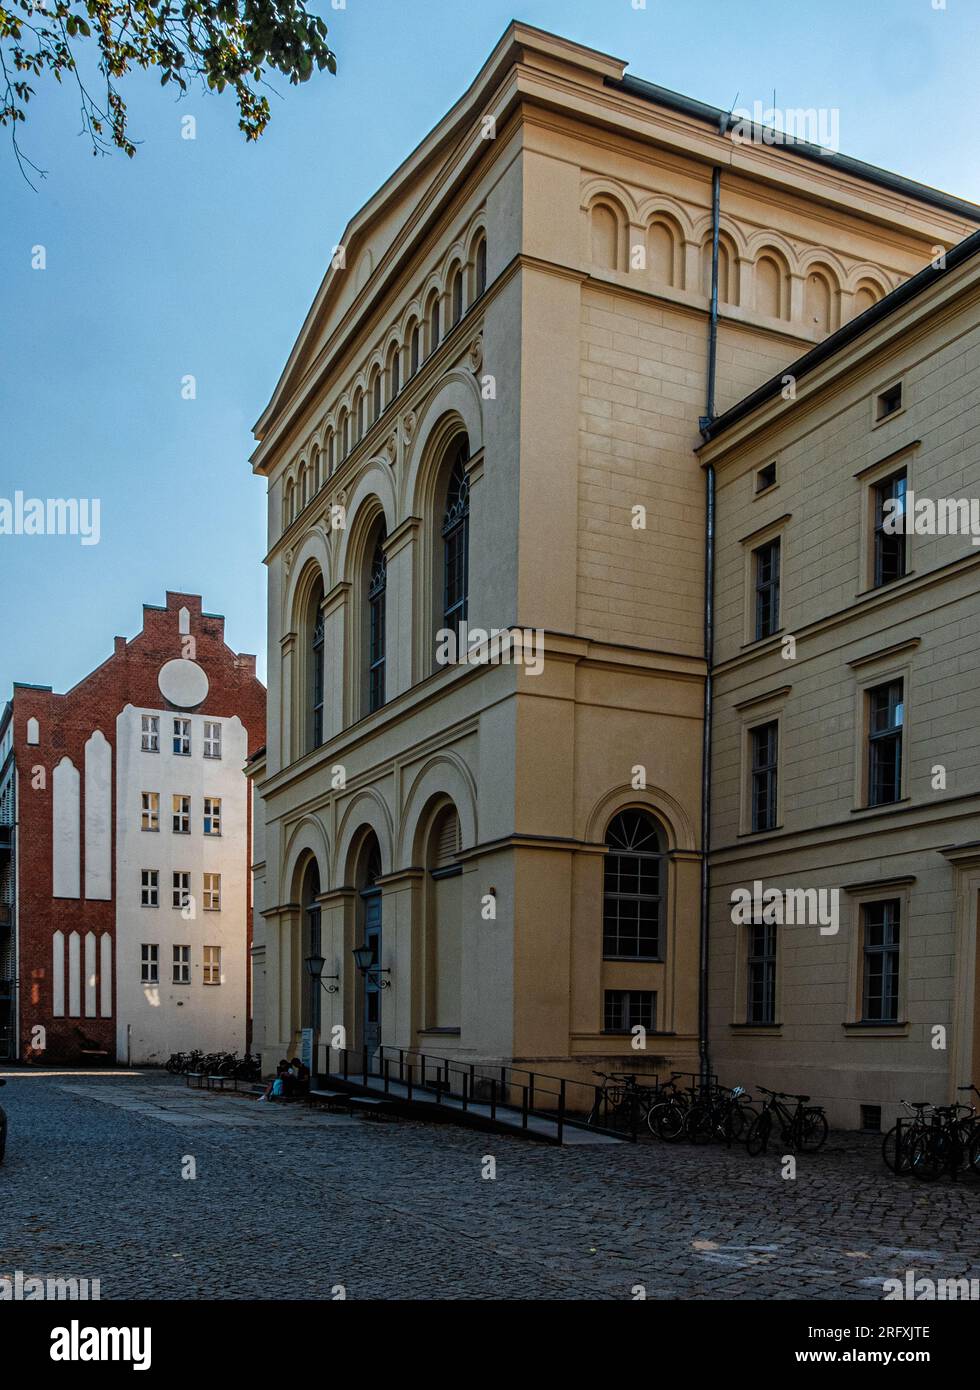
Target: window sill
(766,1028)
(870,1029)
(881,806)
(440,1032)
(635,960)
(881,588)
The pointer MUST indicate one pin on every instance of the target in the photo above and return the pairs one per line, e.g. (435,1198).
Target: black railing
(475,1087)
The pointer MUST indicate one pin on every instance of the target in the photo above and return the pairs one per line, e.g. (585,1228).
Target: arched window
(331,452)
(394,372)
(312,945)
(635,888)
(315,629)
(344,435)
(289,503)
(376,396)
(456,296)
(415,349)
(369,915)
(358,417)
(456,541)
(481,266)
(316,476)
(377,582)
(443,922)
(434,324)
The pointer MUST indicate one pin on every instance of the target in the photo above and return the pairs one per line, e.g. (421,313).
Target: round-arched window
(634,889)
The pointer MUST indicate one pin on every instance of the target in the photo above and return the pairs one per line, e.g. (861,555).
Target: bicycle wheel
(928,1154)
(757,1139)
(669,1121)
(975,1150)
(813,1131)
(699,1124)
(898,1161)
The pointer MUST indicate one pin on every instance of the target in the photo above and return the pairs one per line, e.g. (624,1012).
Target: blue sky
(201,257)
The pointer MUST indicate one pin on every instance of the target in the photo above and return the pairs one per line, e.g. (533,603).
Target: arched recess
(444,776)
(442,926)
(728,290)
(607,234)
(665,251)
(313,549)
(367,811)
(867,291)
(821,299)
(456,398)
(772,284)
(373,491)
(306,839)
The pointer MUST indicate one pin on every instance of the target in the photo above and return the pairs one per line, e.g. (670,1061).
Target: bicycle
(804,1129)
(897,1151)
(620,1099)
(721,1114)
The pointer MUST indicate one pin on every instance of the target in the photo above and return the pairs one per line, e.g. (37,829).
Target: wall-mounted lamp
(314,965)
(364,960)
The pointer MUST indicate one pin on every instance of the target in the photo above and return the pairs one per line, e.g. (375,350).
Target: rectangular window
(149,888)
(182,815)
(881,946)
(889,529)
(889,402)
(629,1008)
(150,965)
(886,714)
(150,811)
(765,478)
(212,815)
(182,965)
(181,888)
(212,740)
(150,733)
(212,965)
(765,744)
(766,567)
(182,737)
(760,993)
(212,892)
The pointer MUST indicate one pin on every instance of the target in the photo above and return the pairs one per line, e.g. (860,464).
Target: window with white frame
(150,965)
(149,888)
(212,739)
(182,737)
(182,815)
(150,733)
(182,965)
(212,965)
(181,888)
(212,892)
(150,811)
(212,815)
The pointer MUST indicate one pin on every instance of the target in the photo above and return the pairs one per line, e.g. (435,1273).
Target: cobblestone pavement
(288,1203)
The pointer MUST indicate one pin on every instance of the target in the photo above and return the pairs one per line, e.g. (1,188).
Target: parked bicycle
(620,1102)
(804,1128)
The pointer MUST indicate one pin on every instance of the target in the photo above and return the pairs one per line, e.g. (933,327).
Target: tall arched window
(288,504)
(316,474)
(377,583)
(344,435)
(415,349)
(315,627)
(312,945)
(376,396)
(456,541)
(394,373)
(443,922)
(434,324)
(635,888)
(481,266)
(331,453)
(456,296)
(358,417)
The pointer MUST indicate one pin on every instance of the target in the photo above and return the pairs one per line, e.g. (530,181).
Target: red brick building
(125,848)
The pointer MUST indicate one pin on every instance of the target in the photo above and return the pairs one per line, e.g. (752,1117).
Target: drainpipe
(704,1052)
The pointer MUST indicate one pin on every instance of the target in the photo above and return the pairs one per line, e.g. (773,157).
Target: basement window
(765,478)
(889,402)
(871,1119)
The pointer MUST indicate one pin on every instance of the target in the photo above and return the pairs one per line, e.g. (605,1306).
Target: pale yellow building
(847,738)
(490,415)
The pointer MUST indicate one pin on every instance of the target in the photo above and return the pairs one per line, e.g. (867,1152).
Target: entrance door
(372,981)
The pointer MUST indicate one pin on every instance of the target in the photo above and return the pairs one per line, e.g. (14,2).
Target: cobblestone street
(288,1203)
